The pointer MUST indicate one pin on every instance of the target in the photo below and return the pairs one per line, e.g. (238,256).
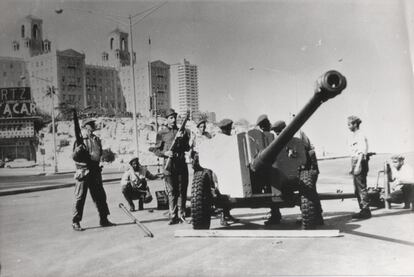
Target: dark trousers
(404,195)
(176,183)
(93,181)
(360,184)
(131,194)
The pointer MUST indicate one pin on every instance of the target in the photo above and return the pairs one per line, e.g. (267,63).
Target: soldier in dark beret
(176,177)
(278,126)
(225,126)
(87,157)
(312,161)
(196,139)
(134,184)
(263,123)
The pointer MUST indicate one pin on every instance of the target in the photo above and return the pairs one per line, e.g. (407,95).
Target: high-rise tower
(187,88)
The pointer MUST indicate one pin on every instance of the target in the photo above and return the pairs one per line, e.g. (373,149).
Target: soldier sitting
(402,182)
(134,184)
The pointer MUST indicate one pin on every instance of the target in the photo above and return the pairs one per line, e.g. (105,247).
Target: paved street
(37,240)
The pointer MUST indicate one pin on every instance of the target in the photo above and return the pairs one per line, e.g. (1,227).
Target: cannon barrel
(328,86)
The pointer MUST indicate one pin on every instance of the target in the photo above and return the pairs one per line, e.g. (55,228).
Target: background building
(13,72)
(103,89)
(188,89)
(211,116)
(116,52)
(63,70)
(161,91)
(29,40)
(17,124)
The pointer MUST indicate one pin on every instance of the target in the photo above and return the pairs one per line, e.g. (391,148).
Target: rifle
(78,134)
(81,155)
(175,141)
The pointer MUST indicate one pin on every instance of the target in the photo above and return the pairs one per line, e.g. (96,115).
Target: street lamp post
(134,115)
(52,96)
(51,93)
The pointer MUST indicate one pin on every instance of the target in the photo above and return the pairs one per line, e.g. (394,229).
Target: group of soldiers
(171,143)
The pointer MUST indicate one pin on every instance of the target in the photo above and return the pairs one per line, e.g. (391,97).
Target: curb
(42,188)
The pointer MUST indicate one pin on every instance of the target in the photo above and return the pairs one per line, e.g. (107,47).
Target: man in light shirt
(358,145)
(402,182)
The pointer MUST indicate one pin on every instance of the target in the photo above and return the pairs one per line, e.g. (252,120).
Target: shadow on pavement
(347,225)
(333,220)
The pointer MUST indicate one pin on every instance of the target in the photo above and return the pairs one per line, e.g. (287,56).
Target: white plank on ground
(258,233)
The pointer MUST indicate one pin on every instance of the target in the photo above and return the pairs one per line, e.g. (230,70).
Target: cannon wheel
(201,200)
(308,199)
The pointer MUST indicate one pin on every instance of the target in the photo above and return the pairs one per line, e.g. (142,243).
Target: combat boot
(76,226)
(104,222)
(173,221)
(363,214)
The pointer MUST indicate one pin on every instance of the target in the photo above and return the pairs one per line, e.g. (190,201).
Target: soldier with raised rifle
(87,152)
(171,144)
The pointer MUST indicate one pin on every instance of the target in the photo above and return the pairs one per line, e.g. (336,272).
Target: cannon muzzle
(328,86)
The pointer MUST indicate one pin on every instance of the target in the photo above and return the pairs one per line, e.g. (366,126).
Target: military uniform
(134,186)
(176,177)
(88,175)
(196,139)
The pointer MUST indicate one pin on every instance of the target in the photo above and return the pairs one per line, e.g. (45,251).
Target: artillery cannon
(255,170)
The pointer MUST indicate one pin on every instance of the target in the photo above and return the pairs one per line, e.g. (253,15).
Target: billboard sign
(19,128)
(16,102)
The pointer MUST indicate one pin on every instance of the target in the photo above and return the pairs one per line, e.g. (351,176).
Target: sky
(263,57)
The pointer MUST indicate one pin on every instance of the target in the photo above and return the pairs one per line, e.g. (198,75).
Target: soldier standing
(358,145)
(196,138)
(176,177)
(312,164)
(88,176)
(226,125)
(263,125)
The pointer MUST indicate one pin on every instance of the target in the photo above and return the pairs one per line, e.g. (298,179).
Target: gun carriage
(253,170)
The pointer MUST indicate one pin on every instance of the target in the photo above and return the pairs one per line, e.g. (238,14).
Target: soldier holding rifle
(87,154)
(171,144)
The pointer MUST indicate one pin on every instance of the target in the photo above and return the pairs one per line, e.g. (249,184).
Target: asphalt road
(36,239)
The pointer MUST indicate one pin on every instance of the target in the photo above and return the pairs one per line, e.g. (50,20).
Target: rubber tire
(308,203)
(201,200)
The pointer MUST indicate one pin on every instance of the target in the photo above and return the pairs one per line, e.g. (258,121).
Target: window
(35,32)
(111,43)
(123,44)
(22,31)
(15,46)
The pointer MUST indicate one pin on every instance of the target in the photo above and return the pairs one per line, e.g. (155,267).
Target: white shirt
(358,143)
(405,175)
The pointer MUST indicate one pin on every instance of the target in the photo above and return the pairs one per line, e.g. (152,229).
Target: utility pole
(52,94)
